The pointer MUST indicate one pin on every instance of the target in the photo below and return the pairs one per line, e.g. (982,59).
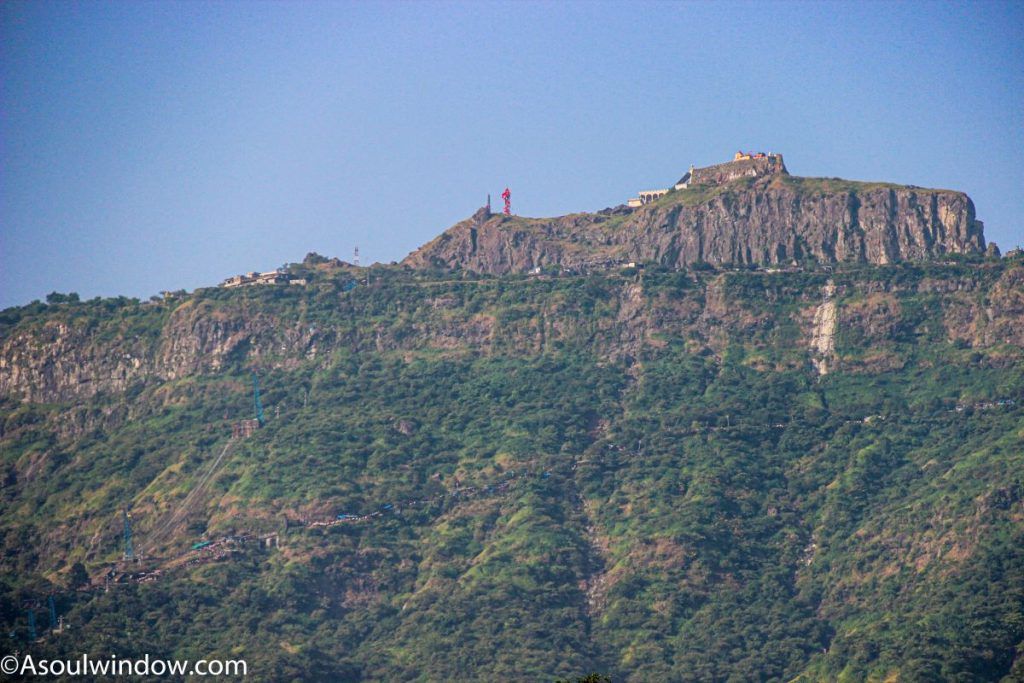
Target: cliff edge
(764,220)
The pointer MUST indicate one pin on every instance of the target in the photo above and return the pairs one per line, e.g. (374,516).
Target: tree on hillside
(78,576)
(58,298)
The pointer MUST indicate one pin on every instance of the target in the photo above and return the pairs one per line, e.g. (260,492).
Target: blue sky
(155,145)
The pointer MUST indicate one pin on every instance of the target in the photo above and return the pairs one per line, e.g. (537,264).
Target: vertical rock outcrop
(768,220)
(823,341)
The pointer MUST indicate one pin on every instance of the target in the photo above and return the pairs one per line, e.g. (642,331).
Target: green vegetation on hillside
(541,490)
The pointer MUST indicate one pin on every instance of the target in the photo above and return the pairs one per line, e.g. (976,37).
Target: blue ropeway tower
(257,406)
(129,551)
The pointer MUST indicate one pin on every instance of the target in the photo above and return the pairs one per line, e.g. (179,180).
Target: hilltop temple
(743,165)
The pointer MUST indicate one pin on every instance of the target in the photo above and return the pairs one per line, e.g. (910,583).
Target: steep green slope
(640,473)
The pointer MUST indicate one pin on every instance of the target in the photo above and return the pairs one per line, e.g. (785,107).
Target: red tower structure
(507,196)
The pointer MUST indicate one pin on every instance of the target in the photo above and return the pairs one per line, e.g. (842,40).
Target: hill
(659,474)
(731,214)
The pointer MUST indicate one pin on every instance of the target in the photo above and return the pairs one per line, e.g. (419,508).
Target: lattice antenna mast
(129,551)
(507,196)
(355,258)
(256,403)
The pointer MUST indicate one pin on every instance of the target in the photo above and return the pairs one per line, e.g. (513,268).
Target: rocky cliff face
(61,361)
(811,319)
(734,170)
(765,221)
